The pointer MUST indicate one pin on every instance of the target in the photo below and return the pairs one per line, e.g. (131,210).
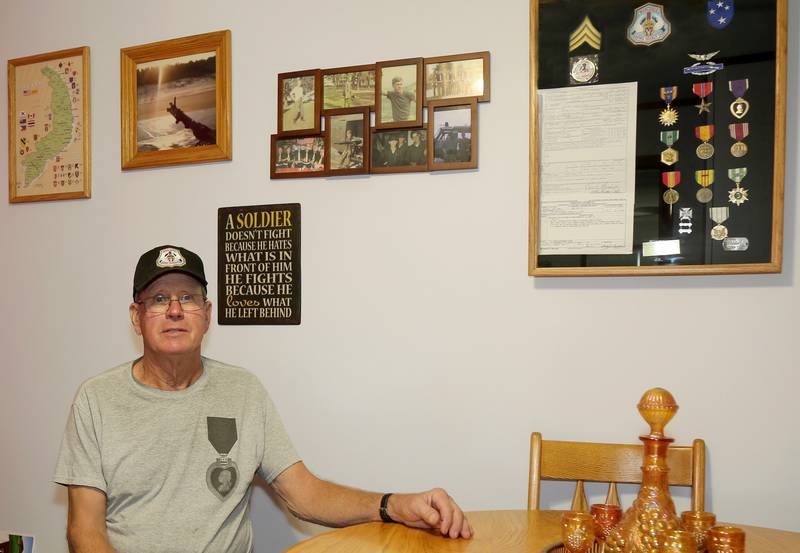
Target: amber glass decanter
(644,526)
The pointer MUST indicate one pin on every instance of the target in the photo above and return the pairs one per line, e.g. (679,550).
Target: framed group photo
(49,146)
(293,157)
(347,133)
(458,76)
(176,101)
(299,102)
(399,150)
(398,93)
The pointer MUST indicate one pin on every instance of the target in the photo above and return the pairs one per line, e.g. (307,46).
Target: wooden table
(495,532)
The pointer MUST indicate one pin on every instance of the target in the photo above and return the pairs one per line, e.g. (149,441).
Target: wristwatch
(384,511)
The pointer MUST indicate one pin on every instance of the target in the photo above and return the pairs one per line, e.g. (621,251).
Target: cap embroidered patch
(170,257)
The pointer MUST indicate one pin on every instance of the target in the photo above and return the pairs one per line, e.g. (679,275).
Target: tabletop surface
(495,532)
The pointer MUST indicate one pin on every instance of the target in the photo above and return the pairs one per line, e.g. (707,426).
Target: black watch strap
(384,512)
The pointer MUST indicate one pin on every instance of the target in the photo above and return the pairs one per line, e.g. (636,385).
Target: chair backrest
(612,463)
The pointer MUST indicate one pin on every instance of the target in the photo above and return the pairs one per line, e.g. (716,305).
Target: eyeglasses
(160,302)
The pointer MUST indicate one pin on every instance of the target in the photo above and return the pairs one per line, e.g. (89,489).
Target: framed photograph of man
(297,157)
(453,134)
(299,102)
(398,94)
(347,133)
(348,87)
(176,105)
(457,76)
(399,150)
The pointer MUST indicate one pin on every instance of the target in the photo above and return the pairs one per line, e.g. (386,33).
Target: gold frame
(776,262)
(220,43)
(82,51)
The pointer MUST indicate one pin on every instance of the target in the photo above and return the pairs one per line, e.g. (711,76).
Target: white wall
(426,354)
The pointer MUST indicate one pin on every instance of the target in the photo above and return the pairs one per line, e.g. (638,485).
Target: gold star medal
(668,116)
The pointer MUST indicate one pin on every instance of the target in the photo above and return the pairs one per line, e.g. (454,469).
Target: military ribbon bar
(739,131)
(704,178)
(703,89)
(670,137)
(739,88)
(737,175)
(704,132)
(669,93)
(671,179)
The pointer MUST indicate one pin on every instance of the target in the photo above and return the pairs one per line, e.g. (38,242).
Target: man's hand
(433,509)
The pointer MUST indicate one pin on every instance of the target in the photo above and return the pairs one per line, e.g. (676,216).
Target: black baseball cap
(167,259)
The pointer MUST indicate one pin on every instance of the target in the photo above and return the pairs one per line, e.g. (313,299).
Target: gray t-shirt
(176,467)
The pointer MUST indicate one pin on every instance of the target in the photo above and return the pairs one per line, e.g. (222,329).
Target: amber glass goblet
(606,517)
(698,523)
(679,541)
(577,532)
(725,539)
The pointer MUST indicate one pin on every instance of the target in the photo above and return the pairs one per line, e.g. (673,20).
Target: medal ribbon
(669,93)
(739,131)
(671,179)
(670,137)
(739,88)
(704,132)
(704,178)
(222,433)
(737,175)
(703,89)
(720,214)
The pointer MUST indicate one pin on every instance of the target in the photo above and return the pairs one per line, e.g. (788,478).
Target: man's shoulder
(229,372)
(112,377)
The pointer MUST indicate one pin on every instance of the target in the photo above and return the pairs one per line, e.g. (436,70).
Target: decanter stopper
(657,407)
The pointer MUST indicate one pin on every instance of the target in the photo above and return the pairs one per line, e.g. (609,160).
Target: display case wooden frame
(13,65)
(378,169)
(484,56)
(419,93)
(275,174)
(772,254)
(348,69)
(317,108)
(218,42)
(366,147)
(433,105)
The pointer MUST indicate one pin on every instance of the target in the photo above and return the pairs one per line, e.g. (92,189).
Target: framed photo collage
(325,117)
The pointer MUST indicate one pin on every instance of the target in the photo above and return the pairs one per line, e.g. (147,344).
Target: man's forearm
(334,505)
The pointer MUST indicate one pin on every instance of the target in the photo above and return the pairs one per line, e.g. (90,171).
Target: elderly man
(159,454)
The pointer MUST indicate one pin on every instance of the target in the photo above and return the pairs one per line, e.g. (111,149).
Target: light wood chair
(612,463)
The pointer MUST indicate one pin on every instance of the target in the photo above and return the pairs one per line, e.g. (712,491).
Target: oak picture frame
(15,142)
(330,116)
(287,98)
(381,122)
(435,106)
(485,58)
(775,251)
(133,156)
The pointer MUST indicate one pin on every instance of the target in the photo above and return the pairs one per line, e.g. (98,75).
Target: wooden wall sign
(259,265)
